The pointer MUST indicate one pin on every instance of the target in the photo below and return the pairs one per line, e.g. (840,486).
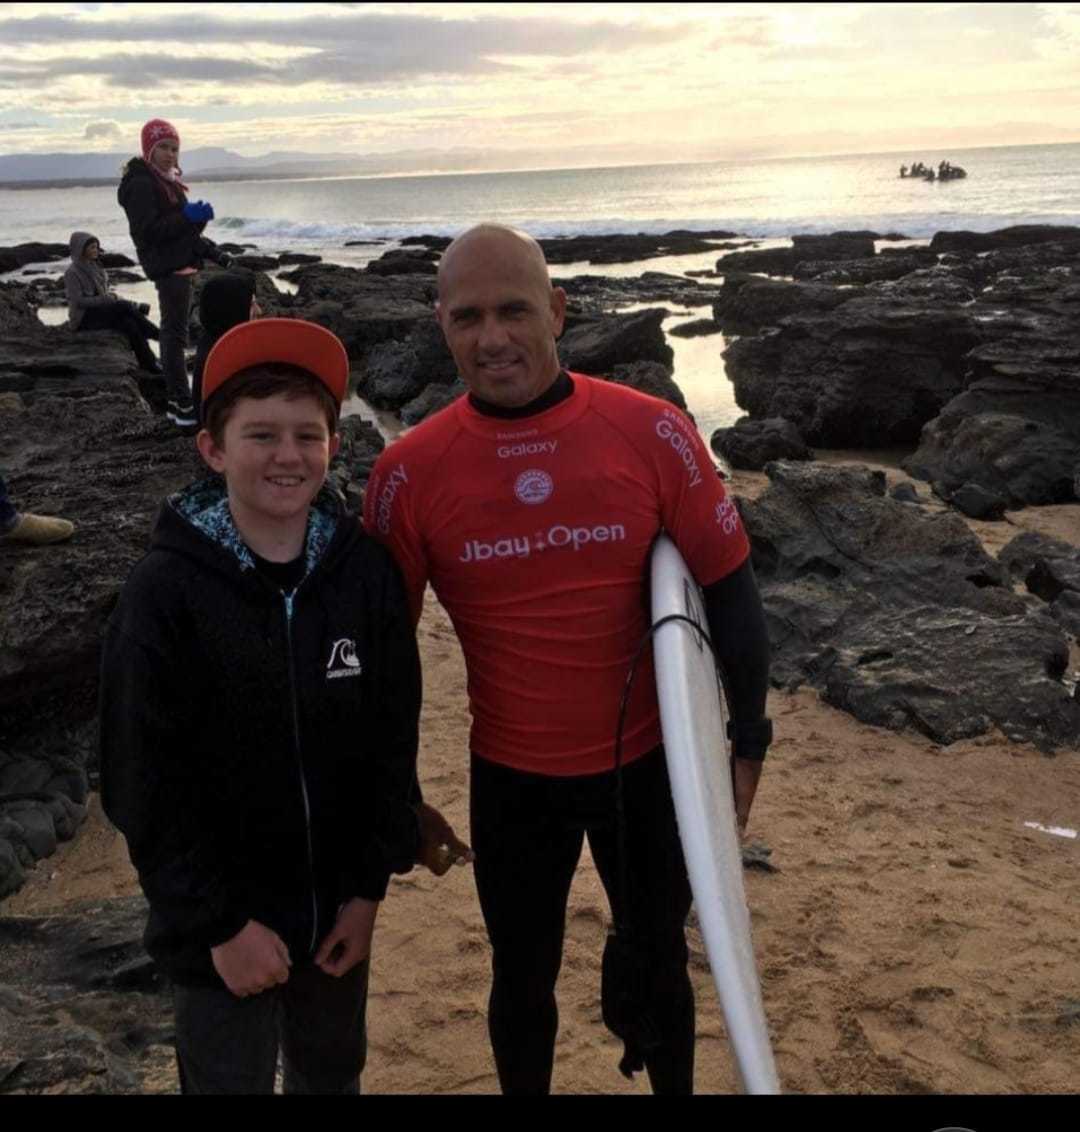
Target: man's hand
(254,960)
(439,846)
(349,941)
(745,774)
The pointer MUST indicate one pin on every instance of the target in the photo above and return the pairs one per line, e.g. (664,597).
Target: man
(531,505)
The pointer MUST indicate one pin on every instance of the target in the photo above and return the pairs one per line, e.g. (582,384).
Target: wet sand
(916,936)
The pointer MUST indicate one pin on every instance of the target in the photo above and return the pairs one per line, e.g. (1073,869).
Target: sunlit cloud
(673,80)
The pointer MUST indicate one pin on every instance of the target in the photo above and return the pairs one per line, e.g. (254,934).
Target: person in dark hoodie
(93,306)
(225,301)
(167,230)
(260,693)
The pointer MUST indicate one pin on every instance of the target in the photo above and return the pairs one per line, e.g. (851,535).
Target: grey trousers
(229,1045)
(174,301)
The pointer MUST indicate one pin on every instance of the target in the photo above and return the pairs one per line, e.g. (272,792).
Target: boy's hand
(439,846)
(349,941)
(254,960)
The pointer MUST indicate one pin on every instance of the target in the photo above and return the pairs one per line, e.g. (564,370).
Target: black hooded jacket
(258,749)
(165,240)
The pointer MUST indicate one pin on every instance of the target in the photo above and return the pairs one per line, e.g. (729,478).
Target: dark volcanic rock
(118,275)
(287,259)
(22,254)
(595,294)
(628,248)
(1002,238)
(696,329)
(746,303)
(782,261)
(877,269)
(433,398)
(82,1010)
(753,444)
(361,444)
(905,492)
(870,372)
(405,261)
(435,243)
(977,502)
(597,345)
(649,377)
(115,259)
(257,262)
(900,617)
(1006,437)
(396,371)
(362,310)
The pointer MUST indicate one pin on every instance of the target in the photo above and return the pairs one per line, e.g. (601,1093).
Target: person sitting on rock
(21,526)
(226,300)
(93,306)
(260,695)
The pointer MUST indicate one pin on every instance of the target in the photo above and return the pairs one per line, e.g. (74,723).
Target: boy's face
(274,455)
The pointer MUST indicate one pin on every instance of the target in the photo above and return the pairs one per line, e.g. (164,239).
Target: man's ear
(209,451)
(558,309)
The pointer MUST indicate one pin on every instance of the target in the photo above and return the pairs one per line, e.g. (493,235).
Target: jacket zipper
(288,599)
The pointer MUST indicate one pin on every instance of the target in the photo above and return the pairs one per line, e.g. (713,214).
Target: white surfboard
(693,716)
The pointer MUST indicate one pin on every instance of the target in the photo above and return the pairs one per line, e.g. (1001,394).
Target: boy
(260,636)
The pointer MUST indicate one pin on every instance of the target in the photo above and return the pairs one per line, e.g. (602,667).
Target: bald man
(531,505)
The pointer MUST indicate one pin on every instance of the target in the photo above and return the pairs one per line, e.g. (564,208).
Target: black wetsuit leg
(526,854)
(527,831)
(660,899)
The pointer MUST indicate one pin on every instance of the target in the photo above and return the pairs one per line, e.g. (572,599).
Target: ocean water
(766,199)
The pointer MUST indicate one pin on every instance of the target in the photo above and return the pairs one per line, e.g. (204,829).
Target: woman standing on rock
(167,231)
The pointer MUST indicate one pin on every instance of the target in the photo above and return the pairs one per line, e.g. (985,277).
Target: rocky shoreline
(965,353)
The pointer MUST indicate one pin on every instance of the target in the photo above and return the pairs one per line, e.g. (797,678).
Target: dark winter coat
(165,240)
(258,749)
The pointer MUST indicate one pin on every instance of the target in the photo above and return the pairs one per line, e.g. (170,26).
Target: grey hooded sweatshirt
(85,283)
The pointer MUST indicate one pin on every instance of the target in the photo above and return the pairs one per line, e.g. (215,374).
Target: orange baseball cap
(291,340)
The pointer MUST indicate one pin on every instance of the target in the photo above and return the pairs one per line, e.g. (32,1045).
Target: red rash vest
(541,562)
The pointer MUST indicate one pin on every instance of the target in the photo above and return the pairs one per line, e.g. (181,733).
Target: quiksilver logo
(343,660)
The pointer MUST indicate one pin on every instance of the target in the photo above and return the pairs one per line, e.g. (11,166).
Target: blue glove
(198,211)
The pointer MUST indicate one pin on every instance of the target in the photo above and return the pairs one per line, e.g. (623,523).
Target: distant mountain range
(221,164)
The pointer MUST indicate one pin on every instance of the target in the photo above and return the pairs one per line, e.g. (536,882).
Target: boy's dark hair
(262,381)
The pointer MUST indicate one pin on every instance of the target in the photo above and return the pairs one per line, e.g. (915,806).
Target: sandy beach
(916,935)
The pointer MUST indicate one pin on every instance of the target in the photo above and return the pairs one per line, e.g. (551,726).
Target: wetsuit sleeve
(149,224)
(740,637)
(394,838)
(388,516)
(148,793)
(694,507)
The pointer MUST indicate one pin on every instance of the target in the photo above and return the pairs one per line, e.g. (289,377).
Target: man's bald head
(495,239)
(500,314)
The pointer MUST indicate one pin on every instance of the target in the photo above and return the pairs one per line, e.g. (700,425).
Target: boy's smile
(274,455)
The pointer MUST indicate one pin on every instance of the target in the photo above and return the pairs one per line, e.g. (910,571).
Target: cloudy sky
(651,82)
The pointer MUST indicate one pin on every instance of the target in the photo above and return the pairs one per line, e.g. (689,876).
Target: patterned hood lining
(205,505)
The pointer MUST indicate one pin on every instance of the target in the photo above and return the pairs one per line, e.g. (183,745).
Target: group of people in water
(260,678)
(945,171)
